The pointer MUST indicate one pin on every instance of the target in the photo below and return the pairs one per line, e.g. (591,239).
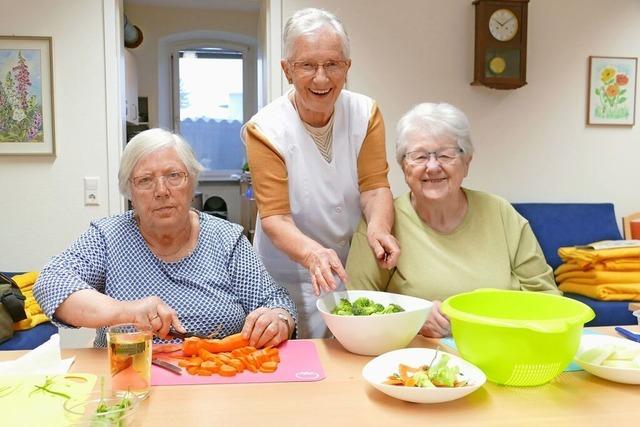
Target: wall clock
(500,59)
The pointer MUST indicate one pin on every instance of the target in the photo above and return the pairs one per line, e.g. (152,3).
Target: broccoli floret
(377,308)
(363,306)
(392,308)
(343,308)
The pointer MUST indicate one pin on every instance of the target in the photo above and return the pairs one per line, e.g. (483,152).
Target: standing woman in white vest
(318,164)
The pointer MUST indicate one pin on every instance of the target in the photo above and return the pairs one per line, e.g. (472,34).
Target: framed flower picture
(26,96)
(612,91)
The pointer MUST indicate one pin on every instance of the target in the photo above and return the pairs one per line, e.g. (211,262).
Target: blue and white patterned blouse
(221,282)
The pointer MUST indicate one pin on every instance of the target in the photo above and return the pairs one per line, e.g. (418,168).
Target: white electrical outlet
(91,193)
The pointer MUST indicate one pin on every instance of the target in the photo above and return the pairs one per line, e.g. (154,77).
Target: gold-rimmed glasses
(172,179)
(331,68)
(444,156)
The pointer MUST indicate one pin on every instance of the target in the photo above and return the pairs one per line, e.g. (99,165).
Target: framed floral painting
(26,96)
(612,91)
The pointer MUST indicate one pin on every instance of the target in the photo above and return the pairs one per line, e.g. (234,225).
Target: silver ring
(154,318)
(283,318)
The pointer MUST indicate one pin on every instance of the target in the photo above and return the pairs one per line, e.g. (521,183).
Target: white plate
(378,369)
(620,375)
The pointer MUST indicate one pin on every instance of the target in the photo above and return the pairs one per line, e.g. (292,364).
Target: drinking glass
(129,347)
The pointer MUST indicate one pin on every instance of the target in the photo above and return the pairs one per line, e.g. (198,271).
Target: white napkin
(42,360)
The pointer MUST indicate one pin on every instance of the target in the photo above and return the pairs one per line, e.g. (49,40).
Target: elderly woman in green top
(453,239)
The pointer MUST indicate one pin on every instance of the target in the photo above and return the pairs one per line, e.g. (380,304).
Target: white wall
(41,199)
(532,143)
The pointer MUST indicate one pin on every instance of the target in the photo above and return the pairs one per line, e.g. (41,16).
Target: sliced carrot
(251,367)
(190,346)
(393,380)
(238,364)
(406,371)
(210,366)
(227,371)
(268,367)
(248,349)
(193,370)
(206,355)
(261,356)
(224,358)
(275,358)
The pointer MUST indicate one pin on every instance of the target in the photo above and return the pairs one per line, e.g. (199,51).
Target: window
(209,102)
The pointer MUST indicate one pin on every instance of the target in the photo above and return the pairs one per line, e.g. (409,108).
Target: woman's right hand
(155,312)
(437,324)
(322,264)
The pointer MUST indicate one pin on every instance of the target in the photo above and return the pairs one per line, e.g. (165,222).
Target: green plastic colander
(517,338)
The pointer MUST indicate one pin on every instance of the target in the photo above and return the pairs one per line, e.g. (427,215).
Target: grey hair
(308,21)
(435,120)
(146,143)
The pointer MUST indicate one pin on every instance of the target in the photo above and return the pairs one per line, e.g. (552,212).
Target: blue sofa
(30,338)
(569,224)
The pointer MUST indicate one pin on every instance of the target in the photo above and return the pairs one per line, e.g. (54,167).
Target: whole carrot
(226,344)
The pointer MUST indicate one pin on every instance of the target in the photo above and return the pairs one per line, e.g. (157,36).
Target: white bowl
(377,371)
(620,375)
(376,334)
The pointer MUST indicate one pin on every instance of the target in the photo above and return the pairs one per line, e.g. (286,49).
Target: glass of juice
(129,349)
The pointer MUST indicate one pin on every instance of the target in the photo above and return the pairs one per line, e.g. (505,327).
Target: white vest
(324,197)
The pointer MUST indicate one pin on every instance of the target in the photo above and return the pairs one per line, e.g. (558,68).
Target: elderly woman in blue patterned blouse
(163,263)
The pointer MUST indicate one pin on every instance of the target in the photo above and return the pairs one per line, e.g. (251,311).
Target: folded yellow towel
(600,277)
(605,292)
(567,267)
(35,316)
(590,256)
(623,264)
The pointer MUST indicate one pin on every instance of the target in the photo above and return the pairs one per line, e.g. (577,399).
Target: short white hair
(309,21)
(147,142)
(435,120)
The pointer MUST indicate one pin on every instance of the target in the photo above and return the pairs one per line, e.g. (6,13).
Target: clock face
(503,25)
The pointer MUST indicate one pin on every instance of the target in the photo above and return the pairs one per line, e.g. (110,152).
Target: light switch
(91,187)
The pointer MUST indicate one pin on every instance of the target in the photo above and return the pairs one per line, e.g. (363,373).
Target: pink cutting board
(299,361)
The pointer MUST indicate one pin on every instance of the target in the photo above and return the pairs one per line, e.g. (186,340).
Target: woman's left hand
(385,247)
(267,327)
(437,324)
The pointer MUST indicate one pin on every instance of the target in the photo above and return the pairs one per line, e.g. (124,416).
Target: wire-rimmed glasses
(444,156)
(309,68)
(172,179)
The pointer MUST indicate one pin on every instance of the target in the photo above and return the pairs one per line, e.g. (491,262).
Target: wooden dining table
(344,398)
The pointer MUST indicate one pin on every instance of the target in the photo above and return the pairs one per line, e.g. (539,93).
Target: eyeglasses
(446,156)
(331,68)
(172,179)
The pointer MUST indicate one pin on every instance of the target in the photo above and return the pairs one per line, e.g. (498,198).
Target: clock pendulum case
(500,59)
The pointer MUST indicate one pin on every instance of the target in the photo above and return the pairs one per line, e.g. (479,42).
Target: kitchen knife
(168,366)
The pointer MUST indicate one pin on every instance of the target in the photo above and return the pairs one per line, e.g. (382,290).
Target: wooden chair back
(631,226)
